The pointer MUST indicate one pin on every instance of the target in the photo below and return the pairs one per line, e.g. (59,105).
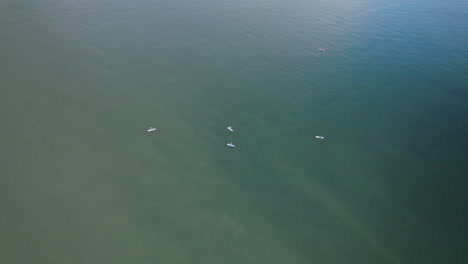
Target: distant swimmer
(230,128)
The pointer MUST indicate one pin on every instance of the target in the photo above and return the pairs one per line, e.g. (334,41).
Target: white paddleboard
(152,129)
(230,129)
(319,137)
(231,145)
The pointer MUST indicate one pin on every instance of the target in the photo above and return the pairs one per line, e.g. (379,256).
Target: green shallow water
(81,181)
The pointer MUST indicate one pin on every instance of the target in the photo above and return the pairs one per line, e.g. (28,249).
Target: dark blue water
(81,181)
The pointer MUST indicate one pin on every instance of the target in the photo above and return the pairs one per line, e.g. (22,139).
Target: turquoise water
(81,181)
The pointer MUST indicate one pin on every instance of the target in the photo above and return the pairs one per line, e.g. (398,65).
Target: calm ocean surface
(81,181)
